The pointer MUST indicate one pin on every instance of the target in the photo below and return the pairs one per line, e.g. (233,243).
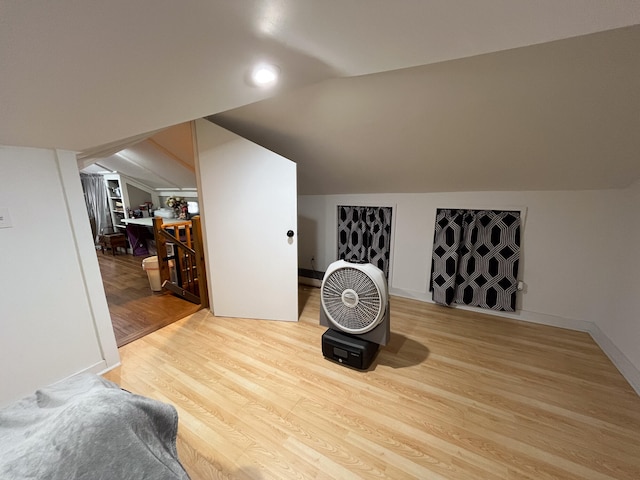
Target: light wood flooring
(455,395)
(135,309)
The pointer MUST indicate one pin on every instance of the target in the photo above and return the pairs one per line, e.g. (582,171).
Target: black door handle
(290,233)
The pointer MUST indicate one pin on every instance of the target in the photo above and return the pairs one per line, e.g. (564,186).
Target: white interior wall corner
(86,252)
(50,322)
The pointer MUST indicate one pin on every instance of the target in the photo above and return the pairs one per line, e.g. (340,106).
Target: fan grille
(351,300)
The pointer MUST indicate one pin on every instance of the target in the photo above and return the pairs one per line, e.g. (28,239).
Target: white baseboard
(107,369)
(98,368)
(619,359)
(628,370)
(524,315)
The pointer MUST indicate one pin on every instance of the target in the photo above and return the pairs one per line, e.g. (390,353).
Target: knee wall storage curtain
(364,234)
(475,258)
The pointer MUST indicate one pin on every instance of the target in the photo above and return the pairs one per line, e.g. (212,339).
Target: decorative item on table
(134,213)
(146,207)
(179,206)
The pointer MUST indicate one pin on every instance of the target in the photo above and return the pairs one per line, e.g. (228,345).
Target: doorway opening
(140,175)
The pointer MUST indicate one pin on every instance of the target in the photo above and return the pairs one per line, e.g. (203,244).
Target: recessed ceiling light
(265,75)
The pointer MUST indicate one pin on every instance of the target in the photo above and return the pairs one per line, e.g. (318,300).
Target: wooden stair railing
(183,270)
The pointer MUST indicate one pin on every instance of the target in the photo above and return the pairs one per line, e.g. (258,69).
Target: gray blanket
(88,428)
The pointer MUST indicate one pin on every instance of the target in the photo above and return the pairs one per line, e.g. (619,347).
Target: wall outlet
(5,218)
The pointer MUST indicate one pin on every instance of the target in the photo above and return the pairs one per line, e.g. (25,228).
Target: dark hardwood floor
(135,310)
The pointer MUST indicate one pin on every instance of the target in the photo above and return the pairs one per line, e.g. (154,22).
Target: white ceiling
(555,116)
(77,75)
(164,161)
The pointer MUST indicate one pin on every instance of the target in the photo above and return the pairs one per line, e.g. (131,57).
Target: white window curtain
(97,202)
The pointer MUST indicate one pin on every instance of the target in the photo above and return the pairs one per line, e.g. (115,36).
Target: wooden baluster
(161,246)
(188,257)
(198,246)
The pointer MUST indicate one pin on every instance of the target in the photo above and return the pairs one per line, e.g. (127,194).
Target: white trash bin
(150,265)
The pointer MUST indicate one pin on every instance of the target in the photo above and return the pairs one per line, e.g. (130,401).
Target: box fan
(355,306)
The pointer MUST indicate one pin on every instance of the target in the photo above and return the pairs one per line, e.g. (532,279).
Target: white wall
(623,328)
(54,320)
(571,270)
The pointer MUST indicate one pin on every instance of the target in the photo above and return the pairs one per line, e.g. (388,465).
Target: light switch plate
(5,218)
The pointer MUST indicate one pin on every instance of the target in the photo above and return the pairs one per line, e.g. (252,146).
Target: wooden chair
(110,239)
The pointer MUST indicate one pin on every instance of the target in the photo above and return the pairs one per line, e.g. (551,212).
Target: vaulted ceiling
(409,95)
(555,116)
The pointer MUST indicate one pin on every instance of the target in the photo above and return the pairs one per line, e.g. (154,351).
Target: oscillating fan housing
(354,300)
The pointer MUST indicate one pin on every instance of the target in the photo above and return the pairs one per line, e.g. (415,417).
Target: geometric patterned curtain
(364,234)
(475,258)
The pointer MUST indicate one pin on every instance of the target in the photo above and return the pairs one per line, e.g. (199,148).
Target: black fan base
(348,350)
